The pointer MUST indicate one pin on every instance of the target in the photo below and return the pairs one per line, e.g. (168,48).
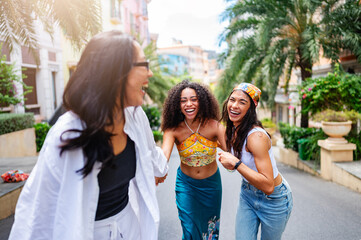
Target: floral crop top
(196,150)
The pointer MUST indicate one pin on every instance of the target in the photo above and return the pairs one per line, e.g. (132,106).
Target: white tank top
(248,159)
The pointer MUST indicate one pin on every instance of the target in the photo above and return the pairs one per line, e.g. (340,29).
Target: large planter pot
(336,131)
(18,144)
(271,132)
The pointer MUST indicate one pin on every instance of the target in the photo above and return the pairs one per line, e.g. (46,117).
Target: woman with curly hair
(266,198)
(190,119)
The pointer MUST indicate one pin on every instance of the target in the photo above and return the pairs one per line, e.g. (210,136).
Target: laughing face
(189,103)
(237,106)
(137,79)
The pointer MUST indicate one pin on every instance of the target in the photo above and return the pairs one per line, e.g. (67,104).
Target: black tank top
(114,182)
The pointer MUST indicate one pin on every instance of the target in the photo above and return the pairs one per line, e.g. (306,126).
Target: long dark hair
(248,122)
(172,115)
(92,92)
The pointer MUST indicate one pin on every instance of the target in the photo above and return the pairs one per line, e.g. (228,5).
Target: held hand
(160,179)
(228,160)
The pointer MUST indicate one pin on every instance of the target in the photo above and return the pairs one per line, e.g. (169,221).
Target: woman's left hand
(160,179)
(228,160)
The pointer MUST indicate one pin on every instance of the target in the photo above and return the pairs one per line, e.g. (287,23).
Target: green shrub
(353,116)
(8,78)
(11,122)
(291,134)
(311,149)
(354,137)
(41,130)
(158,135)
(336,116)
(153,115)
(268,123)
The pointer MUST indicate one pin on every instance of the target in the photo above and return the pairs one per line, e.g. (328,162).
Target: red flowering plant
(337,91)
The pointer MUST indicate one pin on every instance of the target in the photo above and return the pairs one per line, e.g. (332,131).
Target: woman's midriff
(199,172)
(278,180)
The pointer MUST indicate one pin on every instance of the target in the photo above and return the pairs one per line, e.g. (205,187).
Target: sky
(195,22)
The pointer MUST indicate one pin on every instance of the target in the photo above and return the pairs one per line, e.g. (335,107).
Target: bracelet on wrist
(237,164)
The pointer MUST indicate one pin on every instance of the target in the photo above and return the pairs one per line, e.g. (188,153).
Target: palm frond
(238,26)
(16,23)
(311,44)
(79,20)
(286,34)
(290,64)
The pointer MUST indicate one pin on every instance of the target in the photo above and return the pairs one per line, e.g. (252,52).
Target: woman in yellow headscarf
(266,198)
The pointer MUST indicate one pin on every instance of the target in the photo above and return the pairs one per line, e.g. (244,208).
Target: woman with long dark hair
(95,176)
(266,198)
(190,120)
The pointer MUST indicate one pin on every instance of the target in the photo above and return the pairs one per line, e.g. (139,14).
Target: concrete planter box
(18,144)
(290,157)
(336,164)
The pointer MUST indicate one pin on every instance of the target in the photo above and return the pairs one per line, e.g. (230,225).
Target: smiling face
(189,103)
(237,106)
(137,80)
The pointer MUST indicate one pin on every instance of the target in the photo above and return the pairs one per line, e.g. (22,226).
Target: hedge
(12,122)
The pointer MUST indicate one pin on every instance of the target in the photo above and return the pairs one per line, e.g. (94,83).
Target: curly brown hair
(172,115)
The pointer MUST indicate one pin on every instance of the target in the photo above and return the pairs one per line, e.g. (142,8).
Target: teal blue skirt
(199,205)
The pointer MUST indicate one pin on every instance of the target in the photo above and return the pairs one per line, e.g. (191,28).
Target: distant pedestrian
(95,175)
(190,119)
(266,198)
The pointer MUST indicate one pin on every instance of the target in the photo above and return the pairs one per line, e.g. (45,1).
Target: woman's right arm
(168,143)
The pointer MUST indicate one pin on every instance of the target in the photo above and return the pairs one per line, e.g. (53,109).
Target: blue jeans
(271,211)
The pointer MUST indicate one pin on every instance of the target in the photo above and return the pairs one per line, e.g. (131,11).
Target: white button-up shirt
(57,203)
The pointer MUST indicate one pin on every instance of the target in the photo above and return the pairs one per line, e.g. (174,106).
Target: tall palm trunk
(306,72)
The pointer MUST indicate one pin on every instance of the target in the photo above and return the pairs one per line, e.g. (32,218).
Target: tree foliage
(79,19)
(269,39)
(9,77)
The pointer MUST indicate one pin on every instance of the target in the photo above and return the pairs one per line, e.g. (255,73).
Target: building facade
(129,16)
(43,71)
(200,64)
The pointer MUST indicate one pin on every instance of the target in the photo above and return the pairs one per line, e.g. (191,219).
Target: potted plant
(336,124)
(270,127)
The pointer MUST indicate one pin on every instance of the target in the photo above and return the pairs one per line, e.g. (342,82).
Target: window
(30,80)
(28,56)
(53,78)
(280,113)
(115,10)
(52,56)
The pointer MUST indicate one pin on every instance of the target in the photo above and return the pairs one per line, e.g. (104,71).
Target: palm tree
(269,39)
(79,19)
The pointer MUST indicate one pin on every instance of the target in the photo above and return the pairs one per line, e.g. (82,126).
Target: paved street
(322,210)
(170,227)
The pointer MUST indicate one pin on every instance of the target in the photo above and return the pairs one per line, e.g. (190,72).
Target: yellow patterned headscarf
(251,90)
